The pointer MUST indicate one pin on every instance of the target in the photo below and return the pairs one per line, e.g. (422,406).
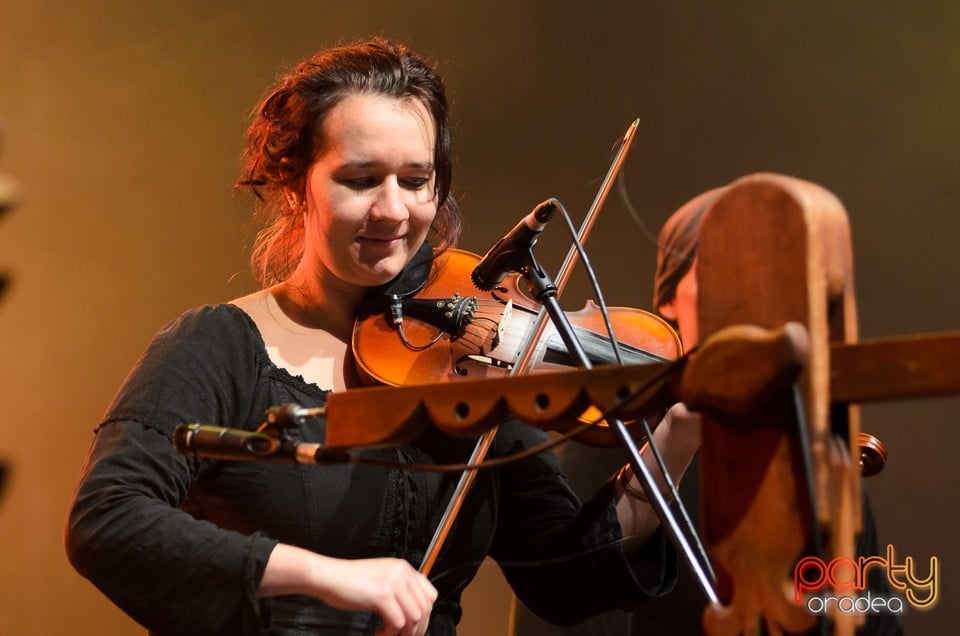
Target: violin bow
(482,448)
(483,445)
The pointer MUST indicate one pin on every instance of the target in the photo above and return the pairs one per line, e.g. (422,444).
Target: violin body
(481,334)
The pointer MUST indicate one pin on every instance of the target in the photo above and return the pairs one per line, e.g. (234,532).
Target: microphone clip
(514,252)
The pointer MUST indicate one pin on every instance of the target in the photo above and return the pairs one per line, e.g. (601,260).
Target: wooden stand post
(775,249)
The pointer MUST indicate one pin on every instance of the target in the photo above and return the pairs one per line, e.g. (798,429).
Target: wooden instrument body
(774,249)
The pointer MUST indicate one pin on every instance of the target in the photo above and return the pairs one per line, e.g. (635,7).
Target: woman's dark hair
(286,133)
(677,245)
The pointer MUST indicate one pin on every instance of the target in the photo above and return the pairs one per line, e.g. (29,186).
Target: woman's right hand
(402,596)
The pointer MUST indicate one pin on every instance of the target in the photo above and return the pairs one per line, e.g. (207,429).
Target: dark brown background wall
(123,121)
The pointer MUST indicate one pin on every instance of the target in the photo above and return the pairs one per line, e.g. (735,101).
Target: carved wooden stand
(775,249)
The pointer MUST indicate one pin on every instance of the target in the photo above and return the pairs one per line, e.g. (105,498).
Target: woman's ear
(668,310)
(293,199)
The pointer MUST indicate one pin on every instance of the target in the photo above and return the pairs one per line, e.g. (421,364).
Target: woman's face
(370,195)
(683,308)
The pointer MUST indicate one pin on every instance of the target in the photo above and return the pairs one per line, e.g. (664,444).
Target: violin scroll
(873,454)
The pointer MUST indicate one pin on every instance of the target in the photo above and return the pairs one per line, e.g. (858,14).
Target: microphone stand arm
(545,291)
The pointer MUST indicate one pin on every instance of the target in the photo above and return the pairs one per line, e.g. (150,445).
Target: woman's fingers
(405,601)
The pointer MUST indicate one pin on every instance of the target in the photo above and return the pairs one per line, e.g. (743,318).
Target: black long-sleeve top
(181,543)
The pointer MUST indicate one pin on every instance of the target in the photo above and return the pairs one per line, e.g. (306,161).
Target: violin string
(472,337)
(485,302)
(508,338)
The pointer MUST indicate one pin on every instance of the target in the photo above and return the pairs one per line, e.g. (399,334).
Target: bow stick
(482,448)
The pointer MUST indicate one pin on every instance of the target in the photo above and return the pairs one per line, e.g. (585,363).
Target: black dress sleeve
(169,571)
(563,558)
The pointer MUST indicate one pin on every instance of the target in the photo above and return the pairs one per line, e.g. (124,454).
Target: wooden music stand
(775,249)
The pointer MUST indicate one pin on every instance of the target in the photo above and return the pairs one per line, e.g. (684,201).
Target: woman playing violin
(349,155)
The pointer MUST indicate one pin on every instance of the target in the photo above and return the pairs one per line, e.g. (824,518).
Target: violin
(441,332)
(441,335)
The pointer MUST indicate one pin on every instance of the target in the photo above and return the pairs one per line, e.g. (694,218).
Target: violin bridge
(487,343)
(488,361)
(502,324)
